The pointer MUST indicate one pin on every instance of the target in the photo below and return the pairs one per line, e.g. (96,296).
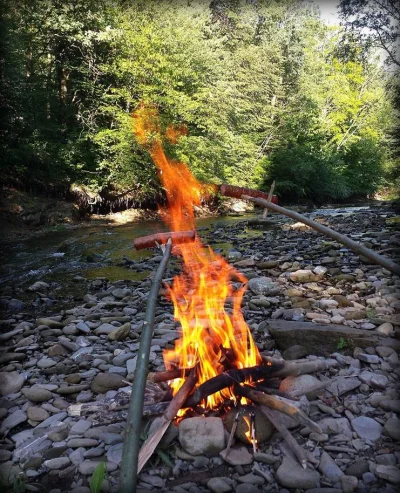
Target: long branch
(358,248)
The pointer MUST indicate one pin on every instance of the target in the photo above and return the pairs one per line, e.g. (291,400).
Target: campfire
(215,339)
(216,348)
(215,367)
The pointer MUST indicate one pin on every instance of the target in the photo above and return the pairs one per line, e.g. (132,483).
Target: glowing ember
(200,293)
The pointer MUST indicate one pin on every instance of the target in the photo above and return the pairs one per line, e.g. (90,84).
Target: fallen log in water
(360,249)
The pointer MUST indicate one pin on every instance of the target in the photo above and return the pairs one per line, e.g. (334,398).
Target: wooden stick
(358,248)
(295,368)
(164,376)
(314,388)
(271,192)
(175,405)
(276,420)
(279,404)
(130,452)
(109,417)
(229,378)
(237,192)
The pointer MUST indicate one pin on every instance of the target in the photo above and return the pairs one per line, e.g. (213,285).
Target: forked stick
(175,405)
(277,403)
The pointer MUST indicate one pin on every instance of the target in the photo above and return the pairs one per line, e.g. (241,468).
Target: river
(59,256)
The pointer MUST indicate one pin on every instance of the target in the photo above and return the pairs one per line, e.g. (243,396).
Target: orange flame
(203,289)
(247,433)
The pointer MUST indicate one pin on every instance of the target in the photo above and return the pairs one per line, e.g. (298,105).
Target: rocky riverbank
(88,353)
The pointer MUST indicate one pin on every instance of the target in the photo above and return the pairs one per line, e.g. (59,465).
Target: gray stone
(88,466)
(329,468)
(13,420)
(386,459)
(94,452)
(300,383)
(303,276)
(343,385)
(104,329)
(155,481)
(237,456)
(46,363)
(58,463)
(291,475)
(77,456)
(391,405)
(389,473)
(349,483)
(103,382)
(337,426)
(247,488)
(37,413)
(385,329)
(37,394)
(392,428)
(202,436)
(120,333)
(5,455)
(264,286)
(11,382)
(251,479)
(367,428)
(114,453)
(121,293)
(369,358)
(80,427)
(265,458)
(358,468)
(379,381)
(82,442)
(295,352)
(83,327)
(39,286)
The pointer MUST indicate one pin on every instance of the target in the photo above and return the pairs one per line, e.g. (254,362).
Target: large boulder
(202,436)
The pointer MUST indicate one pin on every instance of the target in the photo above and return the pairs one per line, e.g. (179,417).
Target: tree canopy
(265,89)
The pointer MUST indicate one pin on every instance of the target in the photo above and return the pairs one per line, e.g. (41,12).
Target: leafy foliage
(265,89)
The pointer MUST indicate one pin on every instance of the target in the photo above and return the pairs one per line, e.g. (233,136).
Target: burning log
(276,403)
(229,378)
(177,237)
(260,199)
(164,376)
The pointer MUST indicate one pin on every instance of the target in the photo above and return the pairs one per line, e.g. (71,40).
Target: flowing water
(92,252)
(96,251)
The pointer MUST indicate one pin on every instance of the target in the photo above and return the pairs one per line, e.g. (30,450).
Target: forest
(264,89)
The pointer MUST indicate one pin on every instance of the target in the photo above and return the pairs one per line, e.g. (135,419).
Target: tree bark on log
(296,368)
(345,240)
(232,377)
